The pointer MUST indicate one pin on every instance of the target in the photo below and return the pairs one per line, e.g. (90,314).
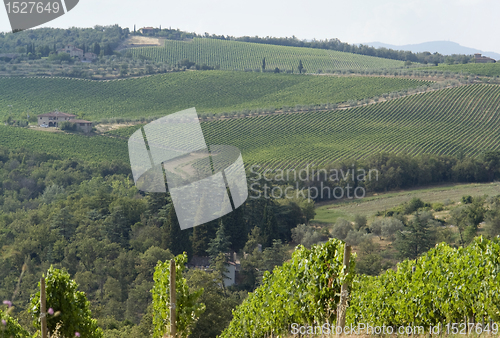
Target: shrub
(294,293)
(10,327)
(356,237)
(67,126)
(437,206)
(341,228)
(467,199)
(390,226)
(187,310)
(305,235)
(360,222)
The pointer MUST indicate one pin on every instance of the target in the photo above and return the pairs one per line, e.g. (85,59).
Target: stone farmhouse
(232,276)
(478,58)
(77,52)
(54,118)
(147,30)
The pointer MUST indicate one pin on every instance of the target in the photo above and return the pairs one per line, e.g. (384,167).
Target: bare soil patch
(140,41)
(102,128)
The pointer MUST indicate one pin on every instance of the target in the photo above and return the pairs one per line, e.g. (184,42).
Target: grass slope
(347,209)
(208,91)
(236,55)
(482,69)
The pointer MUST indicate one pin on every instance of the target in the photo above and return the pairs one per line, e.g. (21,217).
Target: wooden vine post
(344,293)
(173,328)
(43,310)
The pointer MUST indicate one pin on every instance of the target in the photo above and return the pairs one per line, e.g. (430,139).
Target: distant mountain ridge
(442,47)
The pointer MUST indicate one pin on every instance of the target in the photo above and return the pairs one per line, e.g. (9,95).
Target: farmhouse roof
(56,114)
(480,57)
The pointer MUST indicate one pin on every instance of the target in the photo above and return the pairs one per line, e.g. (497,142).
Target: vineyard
(96,148)
(450,121)
(208,91)
(445,285)
(447,122)
(235,55)
(304,290)
(482,69)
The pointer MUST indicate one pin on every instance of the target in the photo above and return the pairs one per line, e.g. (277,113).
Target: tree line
(390,171)
(52,38)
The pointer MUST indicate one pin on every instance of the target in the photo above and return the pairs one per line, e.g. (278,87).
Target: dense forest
(89,219)
(45,40)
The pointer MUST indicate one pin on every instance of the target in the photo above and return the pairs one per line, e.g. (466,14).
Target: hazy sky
(468,22)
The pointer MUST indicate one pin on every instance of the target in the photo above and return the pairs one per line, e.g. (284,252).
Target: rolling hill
(450,121)
(236,55)
(481,69)
(208,91)
(442,47)
(96,148)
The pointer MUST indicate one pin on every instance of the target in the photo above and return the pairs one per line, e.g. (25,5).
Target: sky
(470,23)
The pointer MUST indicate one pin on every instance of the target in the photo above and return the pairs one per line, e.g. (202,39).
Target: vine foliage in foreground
(447,285)
(304,290)
(188,309)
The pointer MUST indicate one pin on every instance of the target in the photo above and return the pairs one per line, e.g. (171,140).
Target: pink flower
(50,311)
(77,334)
(8,303)
(4,322)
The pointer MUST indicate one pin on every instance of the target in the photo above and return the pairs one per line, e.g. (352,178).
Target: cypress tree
(220,244)
(415,239)
(173,238)
(270,226)
(236,228)
(200,240)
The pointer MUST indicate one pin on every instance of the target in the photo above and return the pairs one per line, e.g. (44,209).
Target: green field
(236,55)
(482,69)
(329,212)
(208,91)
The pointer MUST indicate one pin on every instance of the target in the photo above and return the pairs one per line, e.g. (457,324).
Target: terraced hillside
(208,91)
(236,55)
